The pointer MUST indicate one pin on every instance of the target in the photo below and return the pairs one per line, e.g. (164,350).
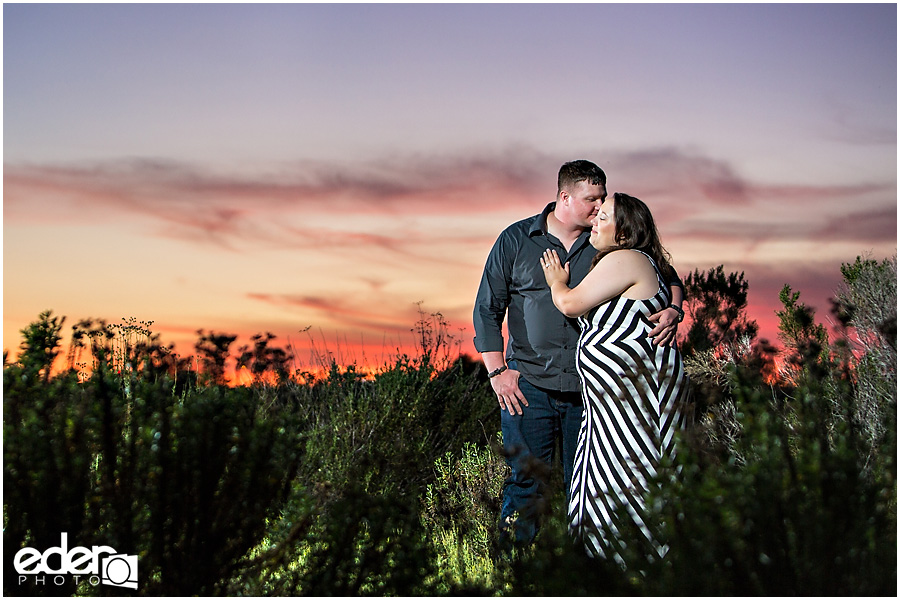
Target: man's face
(583,202)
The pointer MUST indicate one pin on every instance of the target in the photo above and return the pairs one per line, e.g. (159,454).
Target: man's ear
(563,196)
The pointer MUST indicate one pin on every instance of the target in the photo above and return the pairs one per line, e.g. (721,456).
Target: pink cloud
(662,172)
(860,226)
(343,313)
(391,323)
(693,197)
(189,203)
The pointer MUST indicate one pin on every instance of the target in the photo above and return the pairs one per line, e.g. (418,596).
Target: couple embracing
(592,307)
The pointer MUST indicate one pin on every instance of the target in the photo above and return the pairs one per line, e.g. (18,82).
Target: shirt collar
(539,227)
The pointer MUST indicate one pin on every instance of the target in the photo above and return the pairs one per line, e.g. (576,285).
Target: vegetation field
(344,482)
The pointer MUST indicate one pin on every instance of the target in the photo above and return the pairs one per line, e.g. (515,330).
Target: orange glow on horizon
(313,355)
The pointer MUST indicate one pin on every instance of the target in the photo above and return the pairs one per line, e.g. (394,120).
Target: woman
(633,390)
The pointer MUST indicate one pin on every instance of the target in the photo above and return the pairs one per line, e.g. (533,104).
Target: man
(536,382)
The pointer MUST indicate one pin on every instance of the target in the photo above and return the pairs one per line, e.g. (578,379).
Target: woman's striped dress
(633,395)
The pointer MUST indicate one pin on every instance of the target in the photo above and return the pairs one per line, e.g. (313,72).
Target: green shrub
(389,484)
(460,510)
(409,415)
(185,483)
(866,304)
(785,507)
(369,451)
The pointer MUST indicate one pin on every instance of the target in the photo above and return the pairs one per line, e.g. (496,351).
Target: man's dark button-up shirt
(542,341)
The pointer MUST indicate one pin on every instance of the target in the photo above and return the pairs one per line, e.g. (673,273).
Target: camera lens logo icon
(119,570)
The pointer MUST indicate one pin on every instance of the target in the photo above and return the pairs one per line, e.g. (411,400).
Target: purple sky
(274,167)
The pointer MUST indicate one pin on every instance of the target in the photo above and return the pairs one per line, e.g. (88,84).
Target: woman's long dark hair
(636,230)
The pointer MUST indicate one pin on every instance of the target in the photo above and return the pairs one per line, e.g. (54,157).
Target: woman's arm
(614,274)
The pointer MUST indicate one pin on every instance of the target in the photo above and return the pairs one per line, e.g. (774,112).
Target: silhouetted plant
(262,359)
(716,305)
(213,350)
(798,331)
(435,344)
(128,349)
(40,345)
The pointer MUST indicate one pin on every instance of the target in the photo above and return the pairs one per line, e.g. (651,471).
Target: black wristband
(496,372)
(680,312)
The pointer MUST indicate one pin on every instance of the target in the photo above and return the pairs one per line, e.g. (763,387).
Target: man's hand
(506,386)
(666,327)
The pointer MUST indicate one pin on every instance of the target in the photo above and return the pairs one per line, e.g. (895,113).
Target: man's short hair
(579,170)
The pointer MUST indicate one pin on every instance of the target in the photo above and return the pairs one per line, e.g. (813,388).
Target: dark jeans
(530,441)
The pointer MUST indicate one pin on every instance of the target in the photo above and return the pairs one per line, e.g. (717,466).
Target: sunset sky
(250,168)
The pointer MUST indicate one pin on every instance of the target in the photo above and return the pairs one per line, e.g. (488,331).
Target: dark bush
(185,483)
(345,483)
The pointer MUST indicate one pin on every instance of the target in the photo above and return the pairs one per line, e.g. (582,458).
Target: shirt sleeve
(674,280)
(493,295)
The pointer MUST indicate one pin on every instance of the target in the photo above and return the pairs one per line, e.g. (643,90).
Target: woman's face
(603,226)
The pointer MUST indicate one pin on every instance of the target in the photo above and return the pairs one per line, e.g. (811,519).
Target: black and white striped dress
(633,395)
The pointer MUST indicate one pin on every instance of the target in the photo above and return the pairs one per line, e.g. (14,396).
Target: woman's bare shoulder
(626,256)
(633,264)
